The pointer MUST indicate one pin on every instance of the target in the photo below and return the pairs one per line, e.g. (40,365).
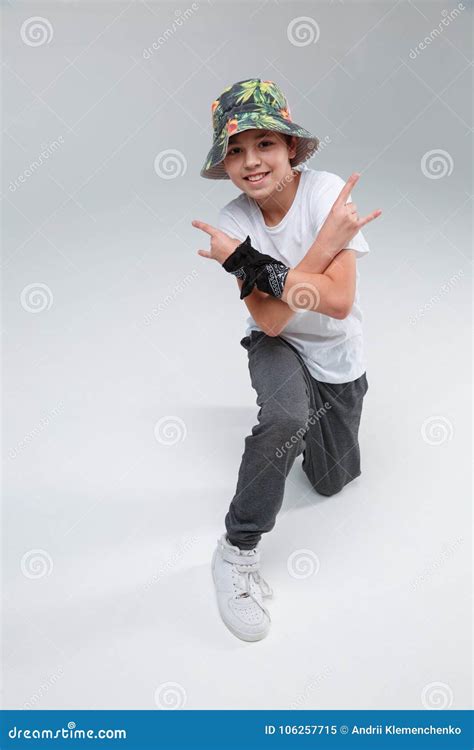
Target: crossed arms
(324,280)
(333,280)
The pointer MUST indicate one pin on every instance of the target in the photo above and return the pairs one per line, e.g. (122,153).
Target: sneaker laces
(247,564)
(248,573)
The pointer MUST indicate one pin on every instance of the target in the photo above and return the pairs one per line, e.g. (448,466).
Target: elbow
(342,314)
(343,309)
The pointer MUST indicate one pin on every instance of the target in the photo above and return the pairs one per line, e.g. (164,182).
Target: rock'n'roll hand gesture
(247,263)
(221,244)
(342,222)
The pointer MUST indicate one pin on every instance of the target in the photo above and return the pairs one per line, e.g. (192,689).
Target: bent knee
(327,491)
(328,488)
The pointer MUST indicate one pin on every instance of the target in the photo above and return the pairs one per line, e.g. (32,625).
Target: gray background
(109,516)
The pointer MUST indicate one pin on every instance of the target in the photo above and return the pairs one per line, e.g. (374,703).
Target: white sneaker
(240,590)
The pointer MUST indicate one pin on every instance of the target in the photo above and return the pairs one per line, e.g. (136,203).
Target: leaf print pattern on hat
(252,104)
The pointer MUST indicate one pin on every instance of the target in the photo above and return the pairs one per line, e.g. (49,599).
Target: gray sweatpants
(298,414)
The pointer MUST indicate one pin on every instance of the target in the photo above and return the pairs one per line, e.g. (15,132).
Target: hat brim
(306,145)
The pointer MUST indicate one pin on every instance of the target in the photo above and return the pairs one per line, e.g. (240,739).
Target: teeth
(257,177)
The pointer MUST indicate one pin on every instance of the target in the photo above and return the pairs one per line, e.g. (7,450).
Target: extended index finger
(204,226)
(347,189)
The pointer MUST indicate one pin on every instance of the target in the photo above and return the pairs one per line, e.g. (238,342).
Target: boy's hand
(221,244)
(342,222)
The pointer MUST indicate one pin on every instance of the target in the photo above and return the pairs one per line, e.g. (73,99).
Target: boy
(291,238)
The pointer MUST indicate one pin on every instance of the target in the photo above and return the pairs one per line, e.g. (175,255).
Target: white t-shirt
(331,349)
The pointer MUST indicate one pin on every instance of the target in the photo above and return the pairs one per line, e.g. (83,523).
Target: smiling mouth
(257,181)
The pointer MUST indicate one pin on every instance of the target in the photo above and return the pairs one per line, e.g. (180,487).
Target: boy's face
(255,151)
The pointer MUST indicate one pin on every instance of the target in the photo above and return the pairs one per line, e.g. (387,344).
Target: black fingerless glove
(256,268)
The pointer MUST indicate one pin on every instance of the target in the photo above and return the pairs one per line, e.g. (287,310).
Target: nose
(252,159)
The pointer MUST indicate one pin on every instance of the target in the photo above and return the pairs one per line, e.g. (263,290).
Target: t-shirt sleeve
(229,224)
(322,200)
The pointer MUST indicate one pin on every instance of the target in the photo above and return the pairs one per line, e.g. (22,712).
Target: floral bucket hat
(252,103)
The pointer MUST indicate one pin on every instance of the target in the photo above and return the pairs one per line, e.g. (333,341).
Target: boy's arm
(331,293)
(324,280)
(315,271)
(270,313)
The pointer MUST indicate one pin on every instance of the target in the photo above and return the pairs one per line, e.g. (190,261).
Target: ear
(292,146)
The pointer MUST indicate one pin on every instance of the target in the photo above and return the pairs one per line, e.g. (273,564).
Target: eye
(232,151)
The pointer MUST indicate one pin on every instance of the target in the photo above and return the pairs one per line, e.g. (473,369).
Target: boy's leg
(331,455)
(270,450)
